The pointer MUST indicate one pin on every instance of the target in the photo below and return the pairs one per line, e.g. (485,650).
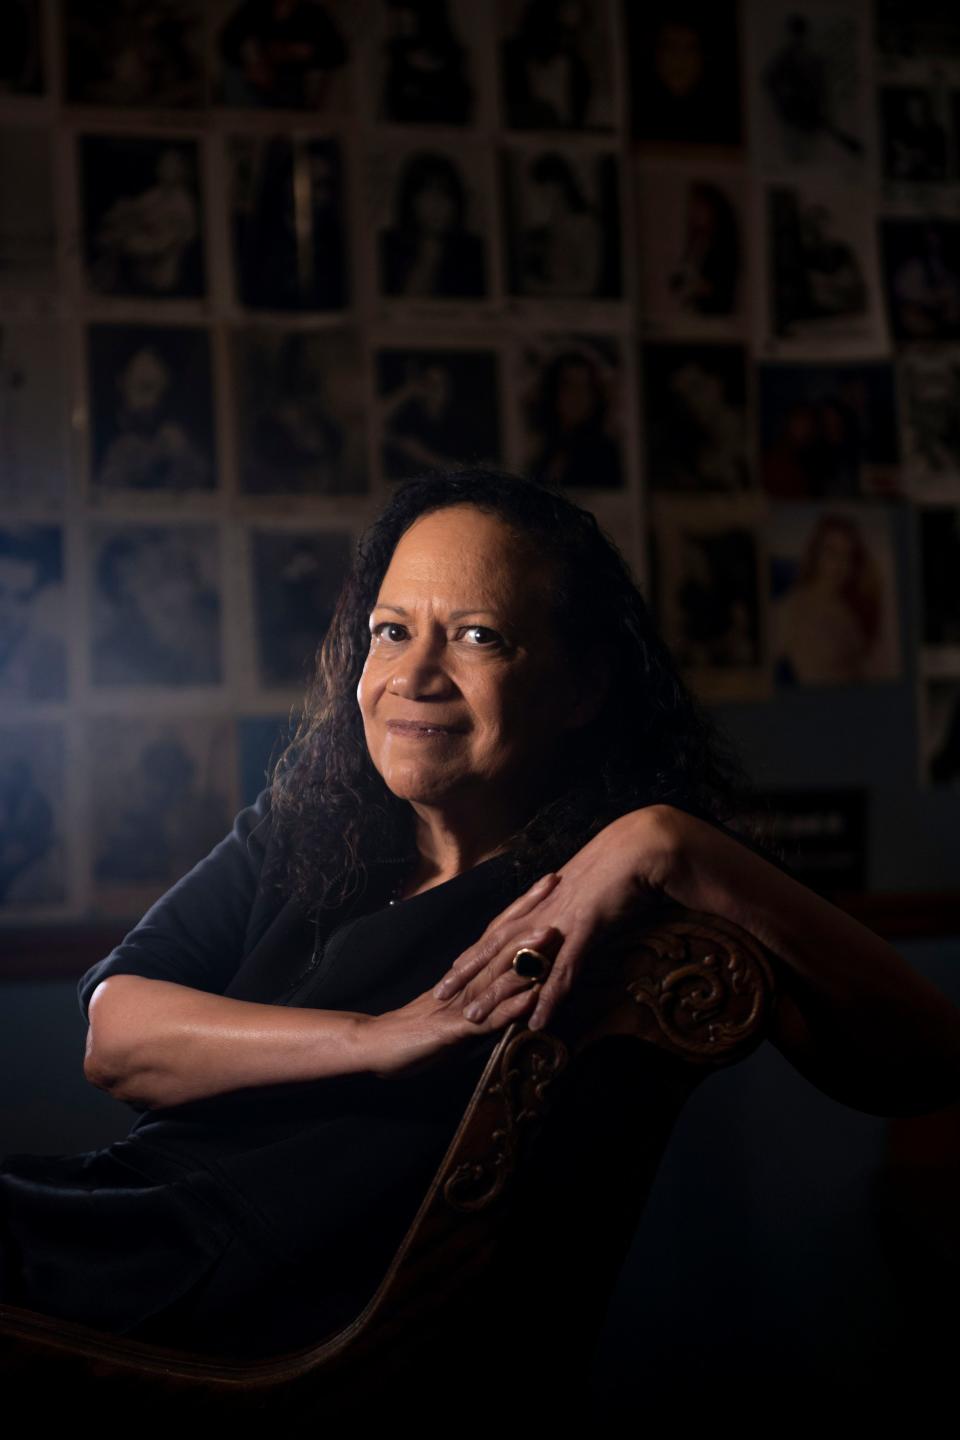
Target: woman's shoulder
(198,932)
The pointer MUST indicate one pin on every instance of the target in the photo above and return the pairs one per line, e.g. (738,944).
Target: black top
(262,1219)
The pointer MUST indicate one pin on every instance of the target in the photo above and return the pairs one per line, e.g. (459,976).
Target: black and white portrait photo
(28,235)
(684,83)
(696,417)
(431,241)
(437,408)
(828,430)
(293,55)
(289,248)
(155,605)
(563,224)
(930,404)
(921,260)
(556,65)
(914,135)
(120,52)
(692,245)
(22,62)
(33,653)
(32,414)
(162,794)
(810,100)
(821,276)
(571,411)
(151,408)
(296,578)
(425,61)
(143,220)
(710,601)
(300,412)
(33,852)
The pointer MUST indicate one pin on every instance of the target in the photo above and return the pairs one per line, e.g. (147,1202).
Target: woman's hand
(613,878)
(412,1037)
(416,1035)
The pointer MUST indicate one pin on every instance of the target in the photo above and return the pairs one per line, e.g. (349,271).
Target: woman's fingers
(529,899)
(554,989)
(550,993)
(492,941)
(500,979)
(510,1008)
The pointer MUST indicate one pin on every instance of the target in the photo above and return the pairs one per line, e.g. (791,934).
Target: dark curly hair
(650,742)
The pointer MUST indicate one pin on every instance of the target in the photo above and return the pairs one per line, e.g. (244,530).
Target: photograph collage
(697,263)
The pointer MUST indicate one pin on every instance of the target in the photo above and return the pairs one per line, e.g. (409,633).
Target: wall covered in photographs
(699,264)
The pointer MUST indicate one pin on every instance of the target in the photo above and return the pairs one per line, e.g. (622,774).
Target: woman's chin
(418,784)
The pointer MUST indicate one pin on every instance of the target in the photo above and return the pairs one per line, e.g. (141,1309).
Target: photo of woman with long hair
(832,614)
(429,249)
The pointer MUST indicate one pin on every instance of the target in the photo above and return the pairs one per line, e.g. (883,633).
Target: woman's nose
(419,673)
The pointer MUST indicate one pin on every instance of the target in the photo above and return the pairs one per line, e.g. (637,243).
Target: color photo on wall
(834,612)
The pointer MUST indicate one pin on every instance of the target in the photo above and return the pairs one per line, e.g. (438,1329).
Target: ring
(530,964)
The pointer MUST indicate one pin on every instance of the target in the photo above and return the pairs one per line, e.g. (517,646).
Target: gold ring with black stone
(530,964)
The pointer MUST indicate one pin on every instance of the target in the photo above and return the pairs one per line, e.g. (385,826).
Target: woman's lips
(422,729)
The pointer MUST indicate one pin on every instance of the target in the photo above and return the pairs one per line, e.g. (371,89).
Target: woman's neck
(447,846)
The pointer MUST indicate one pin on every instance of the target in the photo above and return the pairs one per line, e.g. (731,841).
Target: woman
(562,254)
(495,753)
(706,277)
(829,625)
(569,414)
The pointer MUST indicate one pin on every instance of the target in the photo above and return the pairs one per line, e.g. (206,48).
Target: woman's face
(465,688)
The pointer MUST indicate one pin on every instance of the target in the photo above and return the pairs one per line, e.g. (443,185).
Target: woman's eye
(482,635)
(381,631)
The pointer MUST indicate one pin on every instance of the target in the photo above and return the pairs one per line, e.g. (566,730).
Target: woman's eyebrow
(454,614)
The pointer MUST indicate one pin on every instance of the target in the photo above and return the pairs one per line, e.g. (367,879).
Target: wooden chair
(503,1277)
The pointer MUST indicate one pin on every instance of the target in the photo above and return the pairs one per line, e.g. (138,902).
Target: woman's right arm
(157,1043)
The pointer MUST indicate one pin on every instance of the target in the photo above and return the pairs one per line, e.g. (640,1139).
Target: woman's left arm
(851,1016)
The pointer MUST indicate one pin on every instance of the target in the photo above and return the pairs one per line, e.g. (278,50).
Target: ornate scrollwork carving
(529,1064)
(706,991)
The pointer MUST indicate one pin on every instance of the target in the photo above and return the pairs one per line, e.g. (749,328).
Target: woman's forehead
(461,549)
